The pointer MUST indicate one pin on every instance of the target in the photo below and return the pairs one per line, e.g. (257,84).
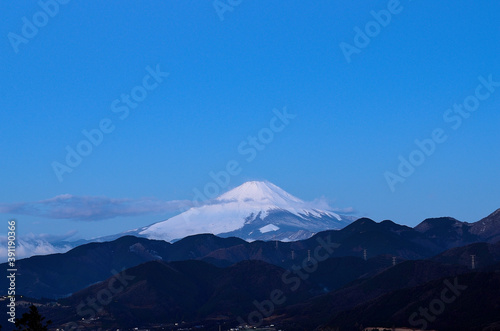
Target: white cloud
(87,208)
(31,244)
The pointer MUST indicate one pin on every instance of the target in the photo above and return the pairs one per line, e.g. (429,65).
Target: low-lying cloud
(86,208)
(37,244)
(324,204)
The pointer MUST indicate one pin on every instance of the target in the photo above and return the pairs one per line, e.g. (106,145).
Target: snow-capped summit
(264,192)
(255,210)
(267,196)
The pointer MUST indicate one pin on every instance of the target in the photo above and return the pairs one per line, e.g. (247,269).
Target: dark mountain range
(195,291)
(336,278)
(207,280)
(165,293)
(484,255)
(471,301)
(59,275)
(159,294)
(382,238)
(449,232)
(318,310)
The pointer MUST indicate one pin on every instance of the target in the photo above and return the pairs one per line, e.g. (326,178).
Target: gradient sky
(227,73)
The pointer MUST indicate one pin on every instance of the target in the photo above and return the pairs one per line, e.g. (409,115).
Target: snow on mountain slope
(245,211)
(268,196)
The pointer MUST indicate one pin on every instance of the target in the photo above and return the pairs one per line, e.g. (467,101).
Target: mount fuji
(253,211)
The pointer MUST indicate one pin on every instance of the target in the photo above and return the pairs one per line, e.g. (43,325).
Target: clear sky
(362,80)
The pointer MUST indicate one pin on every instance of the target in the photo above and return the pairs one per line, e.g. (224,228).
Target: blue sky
(228,68)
